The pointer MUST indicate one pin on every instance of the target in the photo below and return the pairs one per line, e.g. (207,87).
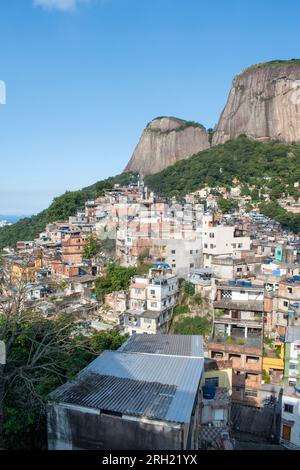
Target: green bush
(192,326)
(180,309)
(240,341)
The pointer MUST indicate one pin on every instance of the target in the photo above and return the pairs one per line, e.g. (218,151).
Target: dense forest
(261,168)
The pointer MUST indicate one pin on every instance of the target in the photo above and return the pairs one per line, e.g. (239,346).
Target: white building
(151,302)
(290,418)
(220,240)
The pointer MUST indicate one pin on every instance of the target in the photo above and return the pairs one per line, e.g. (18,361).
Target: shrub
(180,309)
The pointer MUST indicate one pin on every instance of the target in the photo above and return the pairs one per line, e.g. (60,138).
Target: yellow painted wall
(225,377)
(274,362)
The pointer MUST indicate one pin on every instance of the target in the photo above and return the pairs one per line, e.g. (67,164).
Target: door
(286,432)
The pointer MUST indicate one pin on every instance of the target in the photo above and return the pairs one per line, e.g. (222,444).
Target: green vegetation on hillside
(117,278)
(271,167)
(61,208)
(184,124)
(192,326)
(271,63)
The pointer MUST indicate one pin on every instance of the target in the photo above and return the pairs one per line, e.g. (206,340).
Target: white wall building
(220,240)
(290,419)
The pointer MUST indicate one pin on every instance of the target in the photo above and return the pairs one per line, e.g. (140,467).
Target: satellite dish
(2,353)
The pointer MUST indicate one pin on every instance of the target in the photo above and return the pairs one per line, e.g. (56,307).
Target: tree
(41,355)
(227,205)
(116,278)
(91,247)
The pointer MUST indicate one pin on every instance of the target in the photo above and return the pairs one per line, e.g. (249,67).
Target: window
(290,290)
(152,292)
(233,245)
(292,366)
(211,246)
(240,245)
(173,252)
(212,382)
(191,252)
(288,408)
(211,235)
(205,245)
(191,265)
(153,304)
(250,393)
(218,415)
(285,303)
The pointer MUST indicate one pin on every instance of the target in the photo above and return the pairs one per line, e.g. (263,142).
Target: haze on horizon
(83,79)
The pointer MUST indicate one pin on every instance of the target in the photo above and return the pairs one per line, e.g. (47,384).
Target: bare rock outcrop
(164,141)
(263,103)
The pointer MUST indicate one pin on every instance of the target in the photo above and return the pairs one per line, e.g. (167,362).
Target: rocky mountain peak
(164,141)
(263,103)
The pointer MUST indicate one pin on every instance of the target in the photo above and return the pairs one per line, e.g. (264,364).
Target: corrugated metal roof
(173,345)
(119,395)
(184,373)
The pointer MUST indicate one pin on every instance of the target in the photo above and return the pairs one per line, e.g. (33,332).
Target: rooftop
(151,385)
(171,345)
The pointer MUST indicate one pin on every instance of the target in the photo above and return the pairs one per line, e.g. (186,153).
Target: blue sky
(84,77)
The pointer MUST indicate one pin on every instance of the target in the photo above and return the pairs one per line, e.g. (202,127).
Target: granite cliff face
(164,141)
(264,104)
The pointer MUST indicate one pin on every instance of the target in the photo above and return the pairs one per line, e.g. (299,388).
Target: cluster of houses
(196,393)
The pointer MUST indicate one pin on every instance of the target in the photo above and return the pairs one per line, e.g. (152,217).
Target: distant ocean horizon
(12,218)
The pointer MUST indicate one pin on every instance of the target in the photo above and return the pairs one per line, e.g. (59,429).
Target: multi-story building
(72,248)
(292,357)
(290,418)
(238,335)
(221,239)
(152,299)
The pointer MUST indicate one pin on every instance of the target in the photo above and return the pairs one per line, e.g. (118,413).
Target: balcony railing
(251,345)
(243,321)
(255,306)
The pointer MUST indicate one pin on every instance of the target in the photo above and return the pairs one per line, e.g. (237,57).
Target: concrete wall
(71,427)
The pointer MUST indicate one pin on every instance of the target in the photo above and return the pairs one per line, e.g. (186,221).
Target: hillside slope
(60,209)
(273,167)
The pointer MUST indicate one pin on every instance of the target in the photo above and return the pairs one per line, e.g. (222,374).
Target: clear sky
(84,77)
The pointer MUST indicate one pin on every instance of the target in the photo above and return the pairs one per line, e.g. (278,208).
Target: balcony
(255,306)
(255,322)
(251,345)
